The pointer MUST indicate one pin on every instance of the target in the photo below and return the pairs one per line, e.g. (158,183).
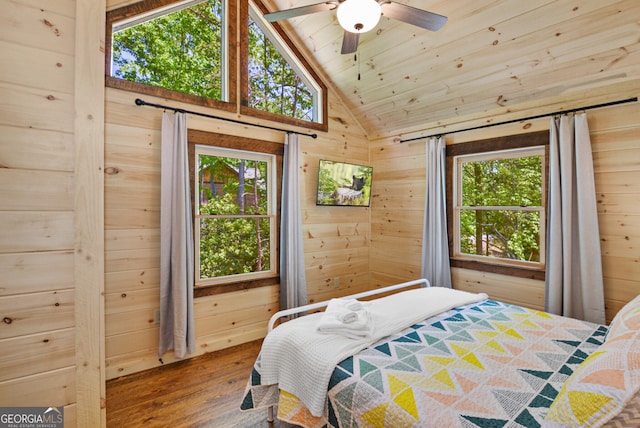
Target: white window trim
(458,161)
(271,183)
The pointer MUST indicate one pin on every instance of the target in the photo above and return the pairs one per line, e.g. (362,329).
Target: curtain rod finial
(139,102)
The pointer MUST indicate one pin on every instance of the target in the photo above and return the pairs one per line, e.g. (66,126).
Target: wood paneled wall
(50,186)
(37,288)
(398,203)
(336,239)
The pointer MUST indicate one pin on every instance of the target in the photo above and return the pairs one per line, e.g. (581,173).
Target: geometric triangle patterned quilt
(488,364)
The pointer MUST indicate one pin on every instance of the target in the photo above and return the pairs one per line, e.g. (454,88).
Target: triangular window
(277,81)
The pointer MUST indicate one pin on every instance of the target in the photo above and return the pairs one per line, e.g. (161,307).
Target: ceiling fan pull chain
(357,58)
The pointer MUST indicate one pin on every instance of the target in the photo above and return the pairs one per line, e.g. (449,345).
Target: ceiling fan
(360,16)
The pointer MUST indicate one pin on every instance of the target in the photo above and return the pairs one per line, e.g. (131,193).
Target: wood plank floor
(204,391)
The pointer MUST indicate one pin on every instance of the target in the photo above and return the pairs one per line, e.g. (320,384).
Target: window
(235,188)
(277,81)
(235,214)
(187,51)
(179,48)
(498,203)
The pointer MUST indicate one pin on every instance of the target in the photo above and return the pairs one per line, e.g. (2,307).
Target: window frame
(209,150)
(149,7)
(482,147)
(224,141)
(237,12)
(280,39)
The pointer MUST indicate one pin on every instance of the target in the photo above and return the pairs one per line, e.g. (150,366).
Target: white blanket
(301,360)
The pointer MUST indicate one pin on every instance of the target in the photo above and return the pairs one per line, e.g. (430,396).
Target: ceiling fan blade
(411,15)
(350,42)
(299,11)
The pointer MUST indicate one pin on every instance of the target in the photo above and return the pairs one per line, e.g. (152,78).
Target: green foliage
(274,85)
(326,183)
(181,51)
(507,182)
(236,244)
(229,246)
(506,233)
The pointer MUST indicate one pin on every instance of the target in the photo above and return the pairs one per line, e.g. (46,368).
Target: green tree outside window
(500,206)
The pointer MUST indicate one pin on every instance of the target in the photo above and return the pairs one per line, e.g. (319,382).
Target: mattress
(488,364)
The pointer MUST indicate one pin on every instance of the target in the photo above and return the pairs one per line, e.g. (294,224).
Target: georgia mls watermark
(31,417)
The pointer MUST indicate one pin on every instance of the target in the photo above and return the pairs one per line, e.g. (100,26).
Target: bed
(468,361)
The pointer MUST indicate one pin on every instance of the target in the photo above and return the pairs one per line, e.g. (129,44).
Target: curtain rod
(612,103)
(140,102)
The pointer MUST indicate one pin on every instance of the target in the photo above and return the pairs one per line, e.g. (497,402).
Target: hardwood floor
(204,391)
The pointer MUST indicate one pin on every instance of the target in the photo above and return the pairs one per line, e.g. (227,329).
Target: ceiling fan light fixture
(359,16)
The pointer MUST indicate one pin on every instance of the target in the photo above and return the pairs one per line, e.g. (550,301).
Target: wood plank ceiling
(491,54)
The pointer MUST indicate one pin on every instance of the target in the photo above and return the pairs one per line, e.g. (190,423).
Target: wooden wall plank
(55,388)
(229,302)
(123,322)
(35,231)
(520,291)
(132,301)
(122,281)
(33,313)
(25,65)
(618,161)
(22,355)
(36,24)
(618,203)
(321,245)
(132,147)
(220,324)
(124,260)
(34,272)
(62,7)
(616,182)
(143,217)
(34,190)
(32,149)
(131,341)
(127,239)
(88,127)
(36,108)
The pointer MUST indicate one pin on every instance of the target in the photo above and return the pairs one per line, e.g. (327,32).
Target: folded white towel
(353,305)
(346,310)
(348,318)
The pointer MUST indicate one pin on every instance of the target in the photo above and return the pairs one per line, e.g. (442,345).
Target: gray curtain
(574,285)
(293,283)
(435,243)
(176,241)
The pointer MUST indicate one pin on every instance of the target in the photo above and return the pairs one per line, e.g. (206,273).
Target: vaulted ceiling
(490,55)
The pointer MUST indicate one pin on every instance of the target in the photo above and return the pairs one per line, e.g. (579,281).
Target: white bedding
(300,360)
